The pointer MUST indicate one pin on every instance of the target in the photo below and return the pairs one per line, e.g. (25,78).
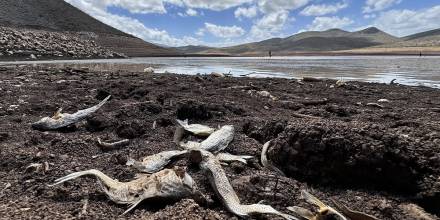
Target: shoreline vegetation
(369,146)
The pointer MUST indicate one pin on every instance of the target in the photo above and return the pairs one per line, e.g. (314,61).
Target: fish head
(186,179)
(44,123)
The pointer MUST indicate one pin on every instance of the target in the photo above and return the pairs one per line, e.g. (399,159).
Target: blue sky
(231,22)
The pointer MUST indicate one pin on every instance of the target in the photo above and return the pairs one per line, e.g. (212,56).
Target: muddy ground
(374,159)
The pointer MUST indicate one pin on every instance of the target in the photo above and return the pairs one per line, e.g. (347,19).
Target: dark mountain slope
(57,15)
(310,41)
(431,33)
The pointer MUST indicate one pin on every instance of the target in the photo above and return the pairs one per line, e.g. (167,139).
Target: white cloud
(200,32)
(189,12)
(276,16)
(275,6)
(242,12)
(224,31)
(216,5)
(269,26)
(325,23)
(378,5)
(406,22)
(320,10)
(98,10)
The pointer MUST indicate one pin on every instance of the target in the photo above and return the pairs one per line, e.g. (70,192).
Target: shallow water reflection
(407,70)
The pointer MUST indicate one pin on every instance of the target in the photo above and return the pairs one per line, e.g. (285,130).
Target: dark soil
(369,158)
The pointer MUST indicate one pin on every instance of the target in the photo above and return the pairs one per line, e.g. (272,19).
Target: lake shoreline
(371,146)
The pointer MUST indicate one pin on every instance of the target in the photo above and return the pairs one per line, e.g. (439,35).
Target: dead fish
(196,129)
(167,184)
(112,146)
(218,140)
(324,210)
(225,157)
(60,120)
(220,183)
(155,162)
(266,163)
(416,212)
(189,145)
(352,215)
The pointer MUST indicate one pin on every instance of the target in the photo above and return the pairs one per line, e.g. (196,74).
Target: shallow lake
(407,70)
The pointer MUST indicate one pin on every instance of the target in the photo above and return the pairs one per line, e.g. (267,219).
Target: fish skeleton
(351,214)
(167,184)
(156,162)
(225,157)
(224,190)
(61,120)
(324,210)
(196,129)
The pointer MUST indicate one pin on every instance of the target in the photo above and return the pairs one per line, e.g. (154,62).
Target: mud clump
(193,110)
(4,136)
(130,130)
(97,123)
(264,131)
(366,157)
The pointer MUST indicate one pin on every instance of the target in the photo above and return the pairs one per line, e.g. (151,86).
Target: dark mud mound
(368,156)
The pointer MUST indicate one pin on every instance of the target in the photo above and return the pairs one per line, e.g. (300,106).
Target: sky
(221,23)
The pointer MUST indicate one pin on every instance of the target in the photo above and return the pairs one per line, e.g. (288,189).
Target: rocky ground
(19,43)
(377,158)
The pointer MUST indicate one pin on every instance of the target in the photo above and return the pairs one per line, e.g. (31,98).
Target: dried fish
(196,129)
(351,214)
(225,157)
(218,140)
(156,162)
(323,212)
(167,184)
(61,120)
(266,163)
(112,146)
(219,181)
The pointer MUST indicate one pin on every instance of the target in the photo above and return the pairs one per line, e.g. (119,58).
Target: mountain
(305,42)
(57,15)
(426,34)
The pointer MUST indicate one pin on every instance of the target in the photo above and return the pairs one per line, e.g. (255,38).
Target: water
(407,70)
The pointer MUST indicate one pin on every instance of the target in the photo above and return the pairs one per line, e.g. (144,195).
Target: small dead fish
(196,129)
(61,120)
(266,163)
(112,146)
(220,183)
(353,215)
(225,157)
(324,210)
(167,184)
(218,140)
(155,162)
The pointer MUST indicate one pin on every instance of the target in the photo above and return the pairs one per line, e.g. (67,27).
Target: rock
(149,70)
(383,101)
(32,56)
(4,136)
(215,74)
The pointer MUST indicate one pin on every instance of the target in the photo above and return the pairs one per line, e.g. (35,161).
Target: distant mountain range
(324,42)
(57,15)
